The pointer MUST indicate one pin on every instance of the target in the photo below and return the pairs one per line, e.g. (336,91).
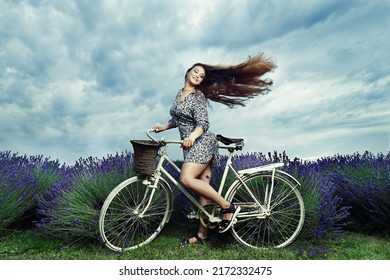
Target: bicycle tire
(277,227)
(122,224)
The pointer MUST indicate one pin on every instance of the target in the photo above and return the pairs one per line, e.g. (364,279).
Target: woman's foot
(193,240)
(228,216)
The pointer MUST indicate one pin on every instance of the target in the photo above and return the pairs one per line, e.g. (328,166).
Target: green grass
(28,245)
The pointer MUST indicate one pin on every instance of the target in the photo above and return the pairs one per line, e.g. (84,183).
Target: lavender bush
(325,213)
(22,178)
(363,183)
(70,209)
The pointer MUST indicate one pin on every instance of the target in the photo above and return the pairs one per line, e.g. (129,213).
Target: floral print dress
(188,114)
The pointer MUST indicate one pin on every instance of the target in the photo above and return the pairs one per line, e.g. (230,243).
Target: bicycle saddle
(229,141)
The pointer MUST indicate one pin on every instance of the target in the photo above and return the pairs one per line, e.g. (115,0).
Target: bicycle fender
(246,176)
(289,176)
(277,171)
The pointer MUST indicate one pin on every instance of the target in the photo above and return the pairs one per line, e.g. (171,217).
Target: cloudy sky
(82,78)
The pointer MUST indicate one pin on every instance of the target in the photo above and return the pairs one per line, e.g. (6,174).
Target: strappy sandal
(186,240)
(225,224)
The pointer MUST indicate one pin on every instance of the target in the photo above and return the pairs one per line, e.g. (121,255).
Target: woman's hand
(158,128)
(190,139)
(188,142)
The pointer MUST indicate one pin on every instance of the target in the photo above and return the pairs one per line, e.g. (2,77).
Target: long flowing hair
(233,85)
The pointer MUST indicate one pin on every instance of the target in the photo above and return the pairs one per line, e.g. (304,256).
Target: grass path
(28,246)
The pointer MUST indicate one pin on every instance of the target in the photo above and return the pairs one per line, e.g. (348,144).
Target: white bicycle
(134,213)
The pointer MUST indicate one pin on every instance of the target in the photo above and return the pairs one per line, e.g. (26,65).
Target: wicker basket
(145,153)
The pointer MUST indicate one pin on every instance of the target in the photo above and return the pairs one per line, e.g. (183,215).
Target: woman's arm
(159,128)
(189,141)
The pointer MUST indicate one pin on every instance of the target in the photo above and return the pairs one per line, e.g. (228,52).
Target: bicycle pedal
(192,215)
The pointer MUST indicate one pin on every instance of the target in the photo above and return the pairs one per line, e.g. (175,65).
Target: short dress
(189,114)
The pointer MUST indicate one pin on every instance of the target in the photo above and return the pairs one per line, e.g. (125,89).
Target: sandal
(186,240)
(225,224)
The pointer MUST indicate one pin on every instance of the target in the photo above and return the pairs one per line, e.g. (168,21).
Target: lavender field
(341,193)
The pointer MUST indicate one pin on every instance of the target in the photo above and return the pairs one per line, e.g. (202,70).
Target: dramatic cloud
(81,78)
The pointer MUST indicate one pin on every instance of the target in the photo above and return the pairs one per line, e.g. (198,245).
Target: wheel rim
(277,226)
(124,224)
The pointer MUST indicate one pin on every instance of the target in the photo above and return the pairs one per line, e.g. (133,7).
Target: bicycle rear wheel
(259,226)
(134,213)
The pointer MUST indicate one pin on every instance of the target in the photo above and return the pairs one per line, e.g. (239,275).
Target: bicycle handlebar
(150,136)
(163,140)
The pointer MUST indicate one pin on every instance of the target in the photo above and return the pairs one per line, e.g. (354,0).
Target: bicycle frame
(239,176)
(161,170)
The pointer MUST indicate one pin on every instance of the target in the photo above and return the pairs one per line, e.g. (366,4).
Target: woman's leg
(203,231)
(190,177)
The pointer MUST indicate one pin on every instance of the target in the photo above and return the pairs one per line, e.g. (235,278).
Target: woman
(229,85)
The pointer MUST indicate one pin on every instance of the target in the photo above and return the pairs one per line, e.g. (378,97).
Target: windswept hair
(233,85)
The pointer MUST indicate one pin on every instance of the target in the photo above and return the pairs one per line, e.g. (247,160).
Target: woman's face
(196,75)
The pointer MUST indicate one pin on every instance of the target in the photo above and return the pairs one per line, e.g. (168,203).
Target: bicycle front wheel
(134,213)
(272,210)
